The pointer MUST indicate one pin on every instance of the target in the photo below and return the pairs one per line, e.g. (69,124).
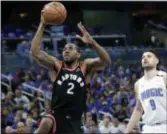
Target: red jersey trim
(71,69)
(83,68)
(57,73)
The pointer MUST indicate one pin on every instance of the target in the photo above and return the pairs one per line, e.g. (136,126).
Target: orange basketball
(54,13)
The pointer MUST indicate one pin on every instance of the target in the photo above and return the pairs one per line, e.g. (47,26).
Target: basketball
(54,13)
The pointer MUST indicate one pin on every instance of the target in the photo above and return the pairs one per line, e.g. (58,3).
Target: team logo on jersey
(152,92)
(70,77)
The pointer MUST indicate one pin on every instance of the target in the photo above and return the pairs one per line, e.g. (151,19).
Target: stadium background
(125,29)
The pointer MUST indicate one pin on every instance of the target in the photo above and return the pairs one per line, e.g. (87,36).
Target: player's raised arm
(136,115)
(94,63)
(40,56)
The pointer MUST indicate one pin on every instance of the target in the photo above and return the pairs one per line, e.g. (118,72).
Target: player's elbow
(33,52)
(139,109)
(107,62)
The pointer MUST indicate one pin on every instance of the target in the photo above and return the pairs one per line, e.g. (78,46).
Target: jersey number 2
(152,103)
(71,87)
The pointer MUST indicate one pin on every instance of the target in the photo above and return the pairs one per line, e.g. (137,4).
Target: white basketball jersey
(152,95)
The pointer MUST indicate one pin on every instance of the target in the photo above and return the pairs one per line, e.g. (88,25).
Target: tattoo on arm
(44,59)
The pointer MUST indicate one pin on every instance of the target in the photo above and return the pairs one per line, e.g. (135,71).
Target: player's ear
(157,60)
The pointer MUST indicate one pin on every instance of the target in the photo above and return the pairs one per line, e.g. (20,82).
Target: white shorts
(161,128)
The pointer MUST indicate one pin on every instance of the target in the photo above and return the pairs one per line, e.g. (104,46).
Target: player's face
(149,60)
(70,53)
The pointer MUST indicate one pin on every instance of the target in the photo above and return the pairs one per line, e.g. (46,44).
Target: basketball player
(47,125)
(151,93)
(70,78)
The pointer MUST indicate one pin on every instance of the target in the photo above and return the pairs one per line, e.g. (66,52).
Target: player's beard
(69,62)
(148,68)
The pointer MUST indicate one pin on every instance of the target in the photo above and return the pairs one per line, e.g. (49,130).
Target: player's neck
(71,66)
(148,74)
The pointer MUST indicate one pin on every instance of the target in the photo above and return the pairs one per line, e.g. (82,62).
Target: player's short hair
(154,52)
(76,46)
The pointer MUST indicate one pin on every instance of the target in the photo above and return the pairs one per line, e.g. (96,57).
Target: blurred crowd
(110,101)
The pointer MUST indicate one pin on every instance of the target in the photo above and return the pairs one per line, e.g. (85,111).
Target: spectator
(38,81)
(2,96)
(115,126)
(43,74)
(30,125)
(92,128)
(35,113)
(88,118)
(101,102)
(9,130)
(23,53)
(153,41)
(122,93)
(20,127)
(28,80)
(48,93)
(17,79)
(121,113)
(38,105)
(32,74)
(17,119)
(4,116)
(21,99)
(105,125)
(9,99)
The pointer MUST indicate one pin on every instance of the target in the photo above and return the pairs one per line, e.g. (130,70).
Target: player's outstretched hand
(86,37)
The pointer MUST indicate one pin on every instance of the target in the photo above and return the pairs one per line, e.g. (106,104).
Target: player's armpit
(45,59)
(94,64)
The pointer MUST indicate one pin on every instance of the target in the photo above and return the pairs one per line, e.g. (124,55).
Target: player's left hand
(86,37)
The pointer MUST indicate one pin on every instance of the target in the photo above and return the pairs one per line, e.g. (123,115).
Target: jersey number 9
(152,103)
